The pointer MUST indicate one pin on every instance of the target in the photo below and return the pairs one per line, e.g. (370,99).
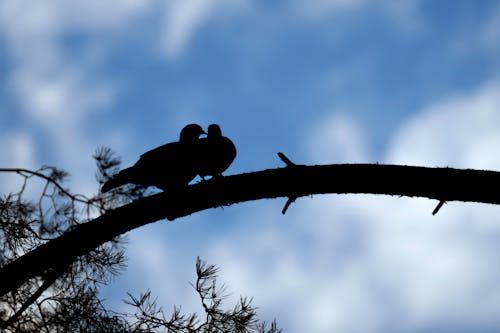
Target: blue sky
(327,81)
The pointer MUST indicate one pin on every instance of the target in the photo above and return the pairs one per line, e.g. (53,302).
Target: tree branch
(48,179)
(48,281)
(443,184)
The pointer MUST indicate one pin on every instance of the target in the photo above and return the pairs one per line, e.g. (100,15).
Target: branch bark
(443,184)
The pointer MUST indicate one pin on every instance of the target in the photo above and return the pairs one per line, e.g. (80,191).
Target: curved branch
(443,184)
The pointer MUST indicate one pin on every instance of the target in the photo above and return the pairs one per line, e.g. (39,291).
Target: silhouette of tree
(58,250)
(64,297)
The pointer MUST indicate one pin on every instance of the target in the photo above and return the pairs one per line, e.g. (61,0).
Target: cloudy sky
(325,81)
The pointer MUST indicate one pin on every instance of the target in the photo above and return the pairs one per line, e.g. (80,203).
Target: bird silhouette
(215,153)
(168,167)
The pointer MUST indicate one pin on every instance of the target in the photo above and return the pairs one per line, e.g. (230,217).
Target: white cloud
(17,150)
(405,14)
(461,131)
(184,17)
(438,269)
(336,139)
(451,263)
(24,22)
(62,94)
(326,7)
(58,106)
(56,92)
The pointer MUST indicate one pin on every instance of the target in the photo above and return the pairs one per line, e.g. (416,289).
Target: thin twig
(438,207)
(289,164)
(286,160)
(287,204)
(49,179)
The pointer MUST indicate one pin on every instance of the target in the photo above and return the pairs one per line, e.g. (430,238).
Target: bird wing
(228,153)
(168,166)
(214,155)
(125,176)
(158,152)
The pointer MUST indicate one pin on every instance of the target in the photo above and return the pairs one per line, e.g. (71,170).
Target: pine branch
(442,184)
(50,179)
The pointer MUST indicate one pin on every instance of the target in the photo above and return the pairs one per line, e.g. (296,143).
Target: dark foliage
(66,299)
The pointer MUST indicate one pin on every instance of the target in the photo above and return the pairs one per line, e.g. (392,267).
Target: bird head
(191,133)
(214,131)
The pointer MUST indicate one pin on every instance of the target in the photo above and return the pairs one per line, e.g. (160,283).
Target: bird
(168,167)
(215,153)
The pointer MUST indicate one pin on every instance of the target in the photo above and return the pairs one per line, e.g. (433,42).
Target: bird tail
(121,178)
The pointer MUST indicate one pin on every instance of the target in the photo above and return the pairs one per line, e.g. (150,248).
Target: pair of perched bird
(173,165)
